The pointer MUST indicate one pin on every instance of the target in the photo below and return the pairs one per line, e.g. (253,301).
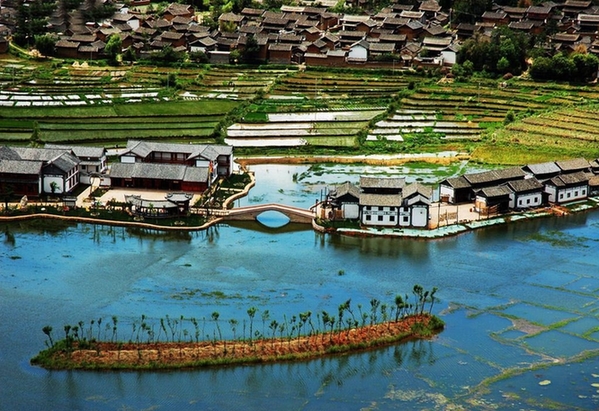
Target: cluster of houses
(389,202)
(58,170)
(314,35)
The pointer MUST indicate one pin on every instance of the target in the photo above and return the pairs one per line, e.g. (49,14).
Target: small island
(294,339)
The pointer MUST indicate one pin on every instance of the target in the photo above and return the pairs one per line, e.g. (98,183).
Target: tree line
(258,326)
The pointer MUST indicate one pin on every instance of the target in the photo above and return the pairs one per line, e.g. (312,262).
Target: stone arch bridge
(295,214)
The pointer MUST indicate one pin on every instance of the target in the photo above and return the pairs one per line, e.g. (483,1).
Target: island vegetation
(181,342)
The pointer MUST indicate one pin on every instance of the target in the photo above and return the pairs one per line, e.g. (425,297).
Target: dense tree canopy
(505,51)
(578,67)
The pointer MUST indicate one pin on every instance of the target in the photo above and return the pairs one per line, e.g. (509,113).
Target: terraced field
(468,112)
(114,124)
(336,128)
(563,133)
(344,85)
(74,103)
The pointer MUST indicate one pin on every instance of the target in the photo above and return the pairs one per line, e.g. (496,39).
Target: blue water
(520,304)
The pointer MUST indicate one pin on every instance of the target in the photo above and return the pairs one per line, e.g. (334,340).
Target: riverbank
(176,355)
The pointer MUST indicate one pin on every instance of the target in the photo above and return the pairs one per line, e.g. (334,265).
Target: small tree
(48,331)
(113,48)
(45,44)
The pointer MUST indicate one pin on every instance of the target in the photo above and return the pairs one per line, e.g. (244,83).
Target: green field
(495,121)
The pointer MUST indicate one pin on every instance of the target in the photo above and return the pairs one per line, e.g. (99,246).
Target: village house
(172,167)
(527,193)
(344,201)
(415,206)
(380,200)
(37,171)
(566,188)
(92,160)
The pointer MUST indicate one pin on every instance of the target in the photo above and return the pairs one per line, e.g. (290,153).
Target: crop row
(562,134)
(81,136)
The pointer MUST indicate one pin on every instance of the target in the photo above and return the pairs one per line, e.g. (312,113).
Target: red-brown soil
(107,355)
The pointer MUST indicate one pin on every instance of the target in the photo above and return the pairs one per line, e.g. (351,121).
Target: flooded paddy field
(520,302)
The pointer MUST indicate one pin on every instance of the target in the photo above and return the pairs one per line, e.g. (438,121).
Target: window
(568,195)
(406,219)
(584,192)
(528,201)
(576,193)
(367,208)
(380,218)
(368,217)
(561,196)
(392,218)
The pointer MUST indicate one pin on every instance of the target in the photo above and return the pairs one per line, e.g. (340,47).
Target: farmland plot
(411,121)
(321,128)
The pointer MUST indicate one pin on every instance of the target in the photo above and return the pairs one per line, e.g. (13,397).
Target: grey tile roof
(20,167)
(81,151)
(483,177)
(382,182)
(495,191)
(61,158)
(417,188)
(456,182)
(543,168)
(346,188)
(526,185)
(175,172)
(65,162)
(572,179)
(573,164)
(7,153)
(381,200)
(209,152)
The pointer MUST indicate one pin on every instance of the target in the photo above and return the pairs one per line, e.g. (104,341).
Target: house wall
(128,159)
(379,216)
(357,53)
(419,216)
(446,191)
(525,200)
(350,211)
(404,217)
(566,195)
(58,180)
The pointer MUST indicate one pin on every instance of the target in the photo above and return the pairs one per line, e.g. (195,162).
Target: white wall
(525,200)
(419,216)
(351,211)
(379,216)
(572,194)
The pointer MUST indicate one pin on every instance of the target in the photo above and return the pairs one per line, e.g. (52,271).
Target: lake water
(520,303)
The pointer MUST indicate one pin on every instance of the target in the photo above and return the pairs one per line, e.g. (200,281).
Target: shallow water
(486,279)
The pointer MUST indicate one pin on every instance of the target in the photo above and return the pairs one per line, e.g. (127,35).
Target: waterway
(520,302)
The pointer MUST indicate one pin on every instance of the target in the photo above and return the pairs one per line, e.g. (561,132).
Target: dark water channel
(520,302)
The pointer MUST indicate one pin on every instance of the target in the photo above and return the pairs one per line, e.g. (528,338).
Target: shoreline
(184,355)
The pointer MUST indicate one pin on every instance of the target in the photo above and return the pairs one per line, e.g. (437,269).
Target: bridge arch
(295,214)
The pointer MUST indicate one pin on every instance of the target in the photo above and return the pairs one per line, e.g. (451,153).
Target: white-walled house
(566,188)
(92,160)
(358,52)
(525,193)
(379,209)
(416,202)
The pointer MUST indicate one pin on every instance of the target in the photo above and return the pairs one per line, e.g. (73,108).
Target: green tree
(503,65)
(250,54)
(252,313)
(114,47)
(48,331)
(468,11)
(45,44)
